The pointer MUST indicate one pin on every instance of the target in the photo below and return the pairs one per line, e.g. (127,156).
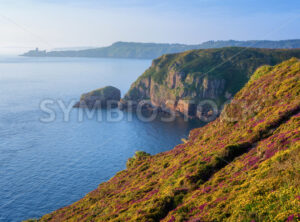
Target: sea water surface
(47,165)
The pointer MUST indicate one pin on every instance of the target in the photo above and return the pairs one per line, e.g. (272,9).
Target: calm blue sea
(45,166)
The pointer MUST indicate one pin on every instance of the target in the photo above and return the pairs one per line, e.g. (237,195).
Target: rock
(107,97)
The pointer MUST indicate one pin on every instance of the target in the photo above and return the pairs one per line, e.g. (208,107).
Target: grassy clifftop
(244,166)
(191,77)
(234,64)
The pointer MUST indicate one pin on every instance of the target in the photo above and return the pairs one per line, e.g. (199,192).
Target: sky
(50,24)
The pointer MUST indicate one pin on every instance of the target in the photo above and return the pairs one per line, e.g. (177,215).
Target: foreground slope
(177,82)
(244,166)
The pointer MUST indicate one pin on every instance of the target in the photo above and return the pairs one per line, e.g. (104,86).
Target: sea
(51,154)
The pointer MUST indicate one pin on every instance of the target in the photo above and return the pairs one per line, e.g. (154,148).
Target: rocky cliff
(244,166)
(106,97)
(197,83)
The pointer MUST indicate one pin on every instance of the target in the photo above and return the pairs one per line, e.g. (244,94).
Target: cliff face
(180,82)
(244,166)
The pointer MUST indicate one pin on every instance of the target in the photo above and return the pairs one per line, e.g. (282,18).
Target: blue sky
(50,24)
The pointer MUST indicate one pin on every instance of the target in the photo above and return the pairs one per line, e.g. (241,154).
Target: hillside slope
(244,166)
(153,50)
(179,82)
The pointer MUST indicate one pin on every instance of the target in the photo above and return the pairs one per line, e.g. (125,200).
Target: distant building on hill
(36,52)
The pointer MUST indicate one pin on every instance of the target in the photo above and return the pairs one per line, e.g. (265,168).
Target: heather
(244,166)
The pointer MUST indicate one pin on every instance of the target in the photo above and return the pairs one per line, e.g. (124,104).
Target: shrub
(138,156)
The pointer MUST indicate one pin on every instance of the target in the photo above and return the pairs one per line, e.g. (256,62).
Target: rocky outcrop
(197,83)
(107,97)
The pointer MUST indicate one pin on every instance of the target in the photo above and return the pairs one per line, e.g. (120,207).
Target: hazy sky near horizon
(49,24)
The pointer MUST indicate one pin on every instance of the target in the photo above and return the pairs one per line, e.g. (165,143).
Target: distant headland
(153,50)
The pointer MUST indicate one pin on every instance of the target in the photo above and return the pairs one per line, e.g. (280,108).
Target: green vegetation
(138,157)
(197,75)
(105,92)
(244,166)
(233,64)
